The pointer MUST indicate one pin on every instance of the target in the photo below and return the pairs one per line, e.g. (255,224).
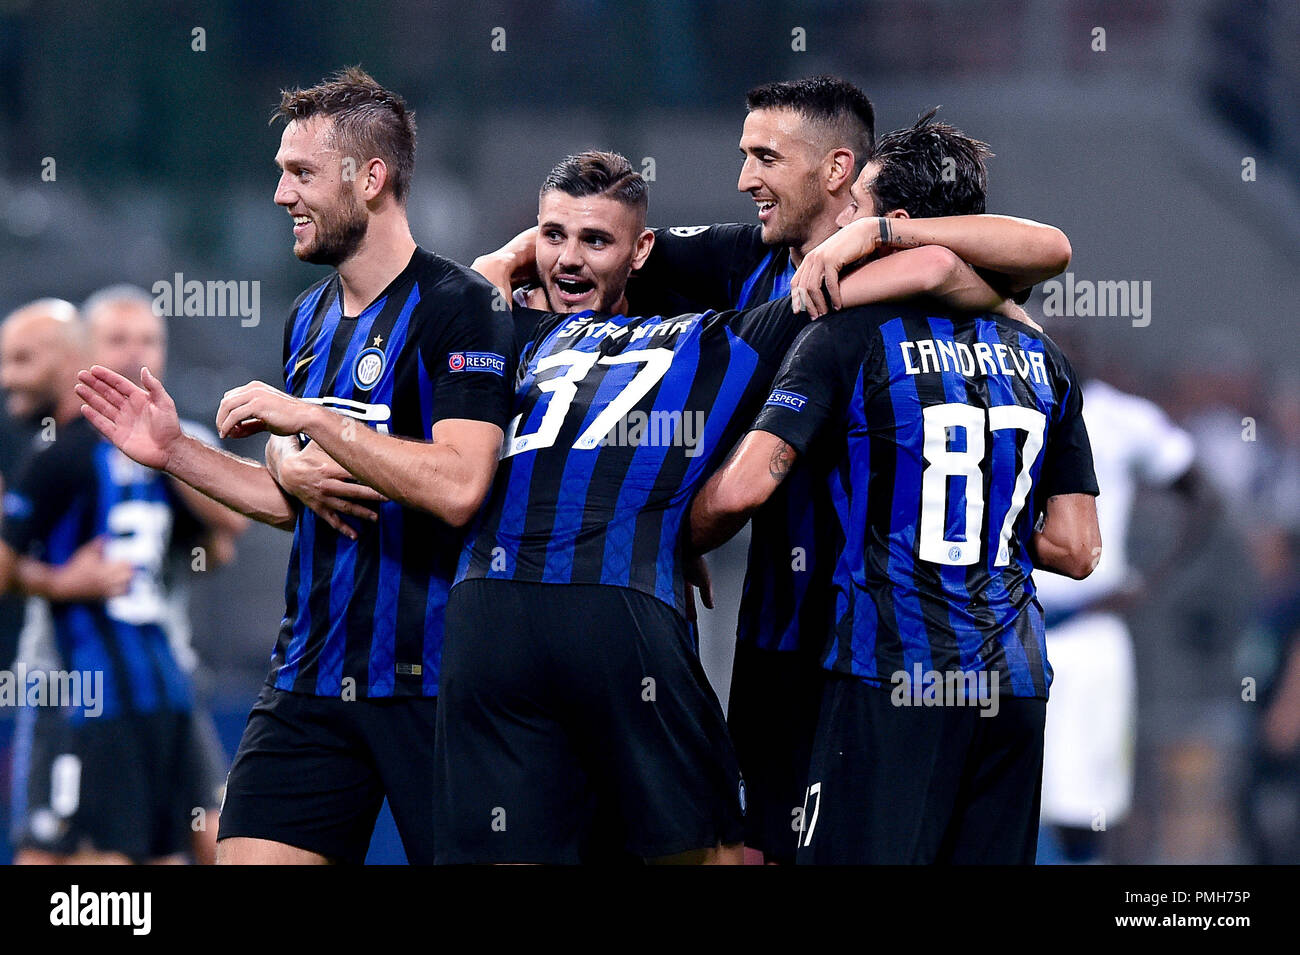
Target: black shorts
(313,771)
(922,784)
(114,784)
(772,713)
(576,715)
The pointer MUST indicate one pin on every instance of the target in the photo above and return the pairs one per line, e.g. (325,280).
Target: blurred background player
(17,431)
(35,353)
(126,335)
(1091,736)
(123,784)
(16,435)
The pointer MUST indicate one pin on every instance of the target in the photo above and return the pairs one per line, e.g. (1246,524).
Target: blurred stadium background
(163,163)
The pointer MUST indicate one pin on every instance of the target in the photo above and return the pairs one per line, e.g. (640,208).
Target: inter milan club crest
(369,366)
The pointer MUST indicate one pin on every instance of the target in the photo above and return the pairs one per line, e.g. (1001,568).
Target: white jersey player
(1090,734)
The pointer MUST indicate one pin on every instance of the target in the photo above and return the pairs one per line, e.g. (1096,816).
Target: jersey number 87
(943,463)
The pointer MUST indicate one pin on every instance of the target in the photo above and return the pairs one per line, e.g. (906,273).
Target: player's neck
(823,227)
(384,253)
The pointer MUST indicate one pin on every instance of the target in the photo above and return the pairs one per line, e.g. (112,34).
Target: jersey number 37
(563,388)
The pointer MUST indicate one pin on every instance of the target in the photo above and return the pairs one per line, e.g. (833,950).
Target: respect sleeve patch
(786,399)
(477,361)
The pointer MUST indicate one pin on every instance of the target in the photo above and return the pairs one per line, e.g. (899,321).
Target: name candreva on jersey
(932,355)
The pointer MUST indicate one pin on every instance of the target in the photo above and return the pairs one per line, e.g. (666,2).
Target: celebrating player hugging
(499,512)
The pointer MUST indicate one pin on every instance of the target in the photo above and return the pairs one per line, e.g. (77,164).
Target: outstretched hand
(141,422)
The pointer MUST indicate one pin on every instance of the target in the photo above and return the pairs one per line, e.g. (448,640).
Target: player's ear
(644,243)
(897,214)
(373,176)
(839,169)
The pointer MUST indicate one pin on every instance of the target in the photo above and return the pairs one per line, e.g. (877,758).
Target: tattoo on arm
(891,239)
(781,461)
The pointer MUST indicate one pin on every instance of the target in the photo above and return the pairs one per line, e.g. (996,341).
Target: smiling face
(587,246)
(782,171)
(328,220)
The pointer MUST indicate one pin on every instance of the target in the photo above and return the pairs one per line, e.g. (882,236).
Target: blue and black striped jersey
(719,267)
(617,423)
(952,433)
(787,597)
(430,347)
(69,492)
(16,436)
